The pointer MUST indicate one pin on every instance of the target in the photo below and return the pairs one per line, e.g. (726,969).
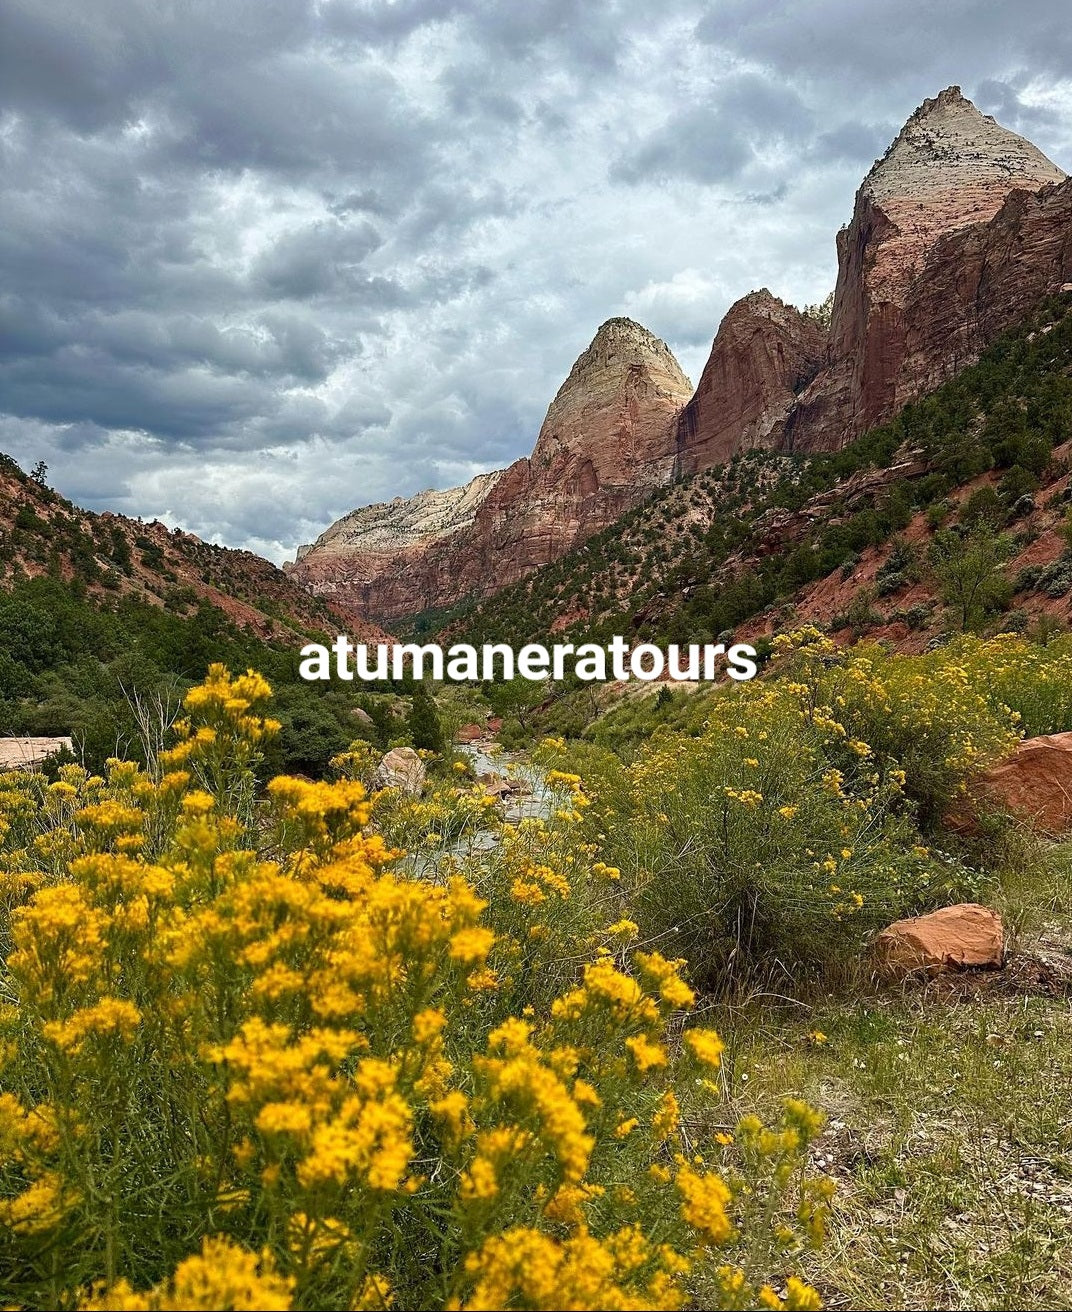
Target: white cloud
(328,252)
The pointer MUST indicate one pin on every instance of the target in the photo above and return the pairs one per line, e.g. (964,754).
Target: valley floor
(948,1131)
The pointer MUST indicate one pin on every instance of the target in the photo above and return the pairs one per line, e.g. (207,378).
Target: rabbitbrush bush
(251,1059)
(787,819)
(784,829)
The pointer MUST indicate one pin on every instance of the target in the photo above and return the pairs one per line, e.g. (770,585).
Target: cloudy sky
(266,260)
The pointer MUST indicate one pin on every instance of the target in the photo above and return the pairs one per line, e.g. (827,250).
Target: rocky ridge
(608,438)
(957,233)
(950,172)
(113,556)
(405,522)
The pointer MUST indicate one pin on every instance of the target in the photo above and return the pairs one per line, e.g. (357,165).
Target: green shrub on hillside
(766,839)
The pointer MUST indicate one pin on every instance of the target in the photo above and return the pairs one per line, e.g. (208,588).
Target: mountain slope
(771,535)
(957,233)
(105,622)
(608,438)
(111,556)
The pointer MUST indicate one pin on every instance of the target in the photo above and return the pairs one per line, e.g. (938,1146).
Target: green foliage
(69,666)
(515,700)
(765,840)
(425,730)
(967,568)
(775,825)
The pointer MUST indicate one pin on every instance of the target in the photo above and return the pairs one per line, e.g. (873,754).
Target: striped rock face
(950,173)
(957,232)
(608,438)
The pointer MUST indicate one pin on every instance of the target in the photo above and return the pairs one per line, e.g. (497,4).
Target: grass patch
(948,1130)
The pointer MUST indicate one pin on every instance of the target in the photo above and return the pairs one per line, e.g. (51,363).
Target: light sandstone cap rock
(618,398)
(947,145)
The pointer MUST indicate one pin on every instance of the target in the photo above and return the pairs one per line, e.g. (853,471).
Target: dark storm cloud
(265,260)
(321,258)
(875,45)
(93,66)
(715,141)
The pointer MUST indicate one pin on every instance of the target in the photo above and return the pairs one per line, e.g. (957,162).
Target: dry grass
(949,1130)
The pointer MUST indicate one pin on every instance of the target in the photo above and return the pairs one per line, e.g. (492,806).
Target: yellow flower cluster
(262,1022)
(222,1275)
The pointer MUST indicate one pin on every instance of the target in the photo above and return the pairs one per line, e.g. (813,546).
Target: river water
(536,800)
(490,758)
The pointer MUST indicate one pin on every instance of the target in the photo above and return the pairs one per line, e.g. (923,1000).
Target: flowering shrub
(746,844)
(927,718)
(1024,681)
(251,1059)
(783,821)
(783,829)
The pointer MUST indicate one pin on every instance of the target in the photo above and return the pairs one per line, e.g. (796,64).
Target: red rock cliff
(956,233)
(949,173)
(763,356)
(608,438)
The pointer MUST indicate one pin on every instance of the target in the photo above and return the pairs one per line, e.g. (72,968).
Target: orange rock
(1034,783)
(763,356)
(469,733)
(955,938)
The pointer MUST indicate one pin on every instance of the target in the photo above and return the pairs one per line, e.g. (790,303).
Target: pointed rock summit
(948,148)
(957,233)
(763,355)
(949,168)
(614,409)
(609,437)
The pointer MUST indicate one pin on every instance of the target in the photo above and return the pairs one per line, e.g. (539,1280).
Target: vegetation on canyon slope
(706,554)
(102,617)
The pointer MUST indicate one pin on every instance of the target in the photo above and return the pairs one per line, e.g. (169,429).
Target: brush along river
(532,798)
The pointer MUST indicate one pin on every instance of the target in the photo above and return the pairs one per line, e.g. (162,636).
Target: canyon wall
(956,234)
(608,438)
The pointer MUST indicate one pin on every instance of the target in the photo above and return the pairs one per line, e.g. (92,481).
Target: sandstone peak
(949,174)
(948,145)
(624,340)
(609,436)
(622,325)
(761,302)
(764,354)
(616,405)
(958,231)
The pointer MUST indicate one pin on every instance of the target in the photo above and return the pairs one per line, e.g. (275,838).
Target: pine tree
(425,729)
